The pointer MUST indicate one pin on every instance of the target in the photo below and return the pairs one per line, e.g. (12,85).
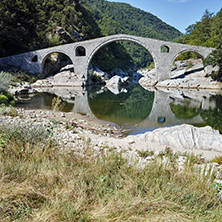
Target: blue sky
(177,13)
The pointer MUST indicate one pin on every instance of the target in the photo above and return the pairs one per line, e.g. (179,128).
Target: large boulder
(117,81)
(184,138)
(209,70)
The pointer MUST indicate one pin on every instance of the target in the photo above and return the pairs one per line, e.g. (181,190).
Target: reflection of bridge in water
(161,113)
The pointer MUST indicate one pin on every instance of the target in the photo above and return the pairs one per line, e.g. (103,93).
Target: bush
(215,58)
(3,99)
(6,79)
(6,98)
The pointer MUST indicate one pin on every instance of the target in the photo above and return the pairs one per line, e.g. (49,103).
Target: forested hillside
(31,24)
(34,24)
(115,18)
(121,18)
(206,32)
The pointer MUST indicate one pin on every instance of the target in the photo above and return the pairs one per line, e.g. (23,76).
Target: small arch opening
(80,51)
(35,58)
(165,49)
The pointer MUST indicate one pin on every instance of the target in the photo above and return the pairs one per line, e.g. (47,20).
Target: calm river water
(133,107)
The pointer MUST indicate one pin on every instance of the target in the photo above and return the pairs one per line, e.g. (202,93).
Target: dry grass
(42,182)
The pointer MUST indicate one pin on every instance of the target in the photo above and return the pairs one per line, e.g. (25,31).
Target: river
(134,108)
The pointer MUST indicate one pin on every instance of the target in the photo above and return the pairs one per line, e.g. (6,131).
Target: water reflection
(134,107)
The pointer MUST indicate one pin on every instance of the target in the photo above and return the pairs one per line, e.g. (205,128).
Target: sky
(177,13)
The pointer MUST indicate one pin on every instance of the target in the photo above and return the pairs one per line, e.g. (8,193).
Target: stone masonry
(82,52)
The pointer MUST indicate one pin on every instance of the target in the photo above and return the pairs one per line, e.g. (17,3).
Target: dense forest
(121,18)
(34,24)
(31,24)
(207,32)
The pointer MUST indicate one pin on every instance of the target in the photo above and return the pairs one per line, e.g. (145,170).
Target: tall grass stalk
(45,182)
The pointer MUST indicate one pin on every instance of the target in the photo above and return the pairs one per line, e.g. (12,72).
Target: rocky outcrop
(66,77)
(185,138)
(182,77)
(116,83)
(209,70)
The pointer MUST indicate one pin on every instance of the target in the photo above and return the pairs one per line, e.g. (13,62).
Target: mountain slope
(122,18)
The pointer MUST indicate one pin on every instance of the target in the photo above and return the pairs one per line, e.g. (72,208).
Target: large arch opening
(185,63)
(56,62)
(124,57)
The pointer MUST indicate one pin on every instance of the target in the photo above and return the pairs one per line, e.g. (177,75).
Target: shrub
(215,58)
(6,79)
(3,100)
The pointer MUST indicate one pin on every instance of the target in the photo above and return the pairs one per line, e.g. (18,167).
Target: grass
(40,181)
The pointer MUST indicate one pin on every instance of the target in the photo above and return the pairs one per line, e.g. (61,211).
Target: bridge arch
(120,38)
(48,53)
(187,50)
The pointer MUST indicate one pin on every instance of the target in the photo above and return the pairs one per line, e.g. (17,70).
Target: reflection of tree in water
(213,117)
(184,111)
(136,104)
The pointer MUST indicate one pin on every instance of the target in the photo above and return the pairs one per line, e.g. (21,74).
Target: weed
(57,104)
(43,182)
(145,153)
(218,159)
(8,111)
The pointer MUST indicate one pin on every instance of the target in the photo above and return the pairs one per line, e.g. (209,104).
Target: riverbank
(53,171)
(69,128)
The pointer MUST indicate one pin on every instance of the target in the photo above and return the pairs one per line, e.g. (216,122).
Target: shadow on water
(134,107)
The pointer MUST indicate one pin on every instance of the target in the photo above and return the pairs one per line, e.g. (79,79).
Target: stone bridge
(82,52)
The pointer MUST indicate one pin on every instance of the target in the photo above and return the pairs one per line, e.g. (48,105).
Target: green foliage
(29,25)
(120,18)
(116,18)
(6,98)
(3,99)
(185,111)
(218,159)
(6,79)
